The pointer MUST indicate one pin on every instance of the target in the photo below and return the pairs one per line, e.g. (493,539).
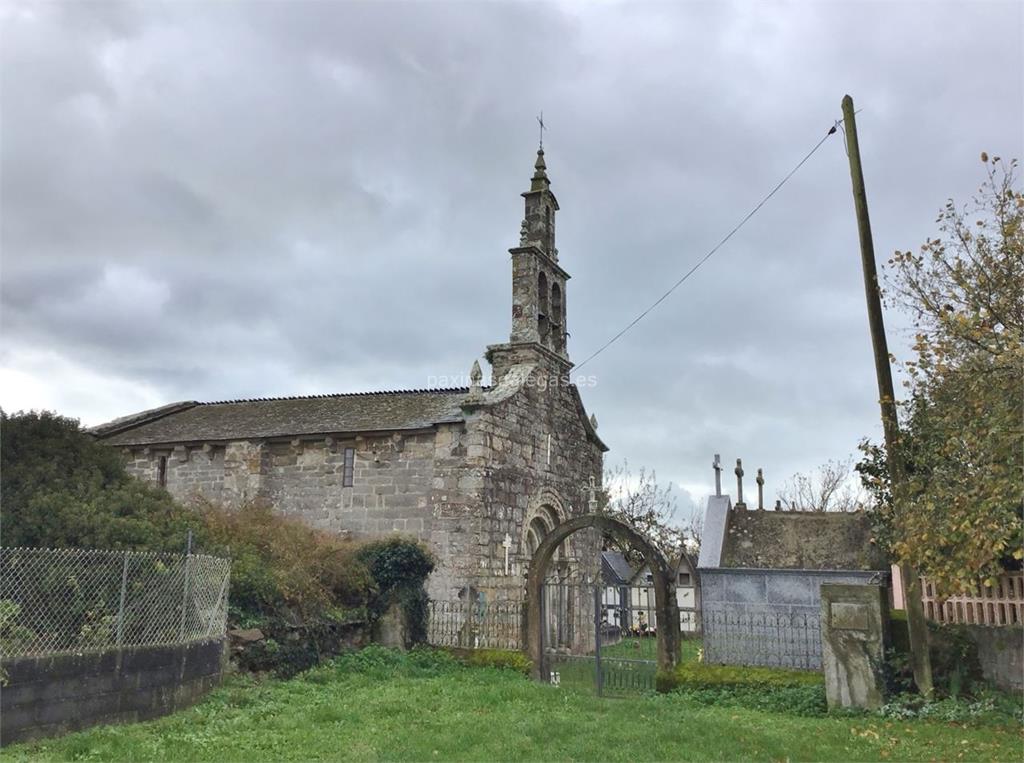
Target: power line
(707,256)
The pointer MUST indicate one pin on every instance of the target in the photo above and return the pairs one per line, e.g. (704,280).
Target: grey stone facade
(460,469)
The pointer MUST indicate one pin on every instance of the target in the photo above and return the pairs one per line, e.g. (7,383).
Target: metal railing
(786,640)
(76,600)
(475,625)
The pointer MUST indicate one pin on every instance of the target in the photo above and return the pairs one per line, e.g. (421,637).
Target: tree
(61,488)
(831,487)
(642,502)
(963,421)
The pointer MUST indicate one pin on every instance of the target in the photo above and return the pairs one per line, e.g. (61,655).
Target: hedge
(697,675)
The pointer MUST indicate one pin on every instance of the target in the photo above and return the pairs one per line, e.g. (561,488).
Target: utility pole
(917,627)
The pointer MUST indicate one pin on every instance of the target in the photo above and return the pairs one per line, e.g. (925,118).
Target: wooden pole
(917,627)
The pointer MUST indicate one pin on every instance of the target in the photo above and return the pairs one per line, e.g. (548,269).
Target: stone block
(854,636)
(746,588)
(791,589)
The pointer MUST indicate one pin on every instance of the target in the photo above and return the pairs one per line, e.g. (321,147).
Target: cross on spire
(540,121)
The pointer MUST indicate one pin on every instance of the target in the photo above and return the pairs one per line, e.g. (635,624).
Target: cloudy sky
(213,201)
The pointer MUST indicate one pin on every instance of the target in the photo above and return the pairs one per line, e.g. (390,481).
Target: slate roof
(192,421)
(615,570)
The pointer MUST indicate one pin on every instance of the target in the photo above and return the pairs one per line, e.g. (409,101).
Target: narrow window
(543,320)
(161,471)
(350,462)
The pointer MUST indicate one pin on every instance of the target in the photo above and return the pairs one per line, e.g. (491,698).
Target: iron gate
(598,636)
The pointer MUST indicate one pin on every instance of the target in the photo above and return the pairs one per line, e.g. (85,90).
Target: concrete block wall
(1001,654)
(49,696)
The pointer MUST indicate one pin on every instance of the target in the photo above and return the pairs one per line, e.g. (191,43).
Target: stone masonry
(469,471)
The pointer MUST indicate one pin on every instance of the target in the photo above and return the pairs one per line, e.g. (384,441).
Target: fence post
(598,677)
(220,598)
(184,597)
(120,608)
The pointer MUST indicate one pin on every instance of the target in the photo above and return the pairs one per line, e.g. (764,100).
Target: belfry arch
(661,578)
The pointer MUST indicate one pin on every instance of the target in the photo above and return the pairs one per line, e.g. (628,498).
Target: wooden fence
(1001,604)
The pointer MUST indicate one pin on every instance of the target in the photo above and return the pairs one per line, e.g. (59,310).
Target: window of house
(161,471)
(684,578)
(349,469)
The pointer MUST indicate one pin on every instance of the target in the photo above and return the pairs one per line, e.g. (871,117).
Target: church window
(161,471)
(349,469)
(556,317)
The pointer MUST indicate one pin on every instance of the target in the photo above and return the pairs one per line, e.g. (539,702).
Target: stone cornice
(539,253)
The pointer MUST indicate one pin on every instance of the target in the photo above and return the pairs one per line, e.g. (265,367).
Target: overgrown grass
(378,705)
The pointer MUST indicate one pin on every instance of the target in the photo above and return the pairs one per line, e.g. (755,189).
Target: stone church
(480,474)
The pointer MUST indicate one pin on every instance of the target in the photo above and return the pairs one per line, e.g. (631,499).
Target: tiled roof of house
(615,569)
(192,421)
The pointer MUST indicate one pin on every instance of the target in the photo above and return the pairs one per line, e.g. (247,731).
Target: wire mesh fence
(475,624)
(78,600)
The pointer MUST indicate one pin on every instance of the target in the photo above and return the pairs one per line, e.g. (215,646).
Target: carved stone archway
(661,577)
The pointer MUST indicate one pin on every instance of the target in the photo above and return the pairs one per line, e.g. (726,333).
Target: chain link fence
(77,600)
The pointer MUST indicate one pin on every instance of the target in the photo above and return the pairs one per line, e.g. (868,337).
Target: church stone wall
(503,479)
(459,487)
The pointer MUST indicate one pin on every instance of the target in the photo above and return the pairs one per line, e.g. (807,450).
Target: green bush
(807,700)
(698,675)
(498,658)
(954,656)
(399,567)
(60,488)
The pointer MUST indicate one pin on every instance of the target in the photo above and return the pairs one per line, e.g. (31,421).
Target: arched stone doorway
(661,573)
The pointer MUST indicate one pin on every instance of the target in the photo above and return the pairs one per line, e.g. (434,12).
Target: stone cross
(717,466)
(760,490)
(507,544)
(738,471)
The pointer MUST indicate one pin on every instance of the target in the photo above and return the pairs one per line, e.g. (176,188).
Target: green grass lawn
(371,706)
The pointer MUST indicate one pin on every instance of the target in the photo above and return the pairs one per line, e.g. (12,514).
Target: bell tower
(538,281)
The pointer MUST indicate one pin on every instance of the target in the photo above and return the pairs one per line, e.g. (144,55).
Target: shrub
(808,700)
(399,567)
(954,656)
(282,568)
(498,658)
(61,488)
(690,675)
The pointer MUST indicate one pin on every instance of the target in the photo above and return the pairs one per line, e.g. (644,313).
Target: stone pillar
(854,637)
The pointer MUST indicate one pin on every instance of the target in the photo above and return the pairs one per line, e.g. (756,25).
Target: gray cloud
(216,201)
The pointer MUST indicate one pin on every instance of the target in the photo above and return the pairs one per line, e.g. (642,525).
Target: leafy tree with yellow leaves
(963,421)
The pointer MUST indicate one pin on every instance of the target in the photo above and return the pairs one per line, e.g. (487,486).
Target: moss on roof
(800,540)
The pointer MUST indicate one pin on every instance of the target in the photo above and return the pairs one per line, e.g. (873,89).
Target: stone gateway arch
(666,609)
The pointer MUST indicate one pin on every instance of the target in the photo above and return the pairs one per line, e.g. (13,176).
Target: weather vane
(540,121)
